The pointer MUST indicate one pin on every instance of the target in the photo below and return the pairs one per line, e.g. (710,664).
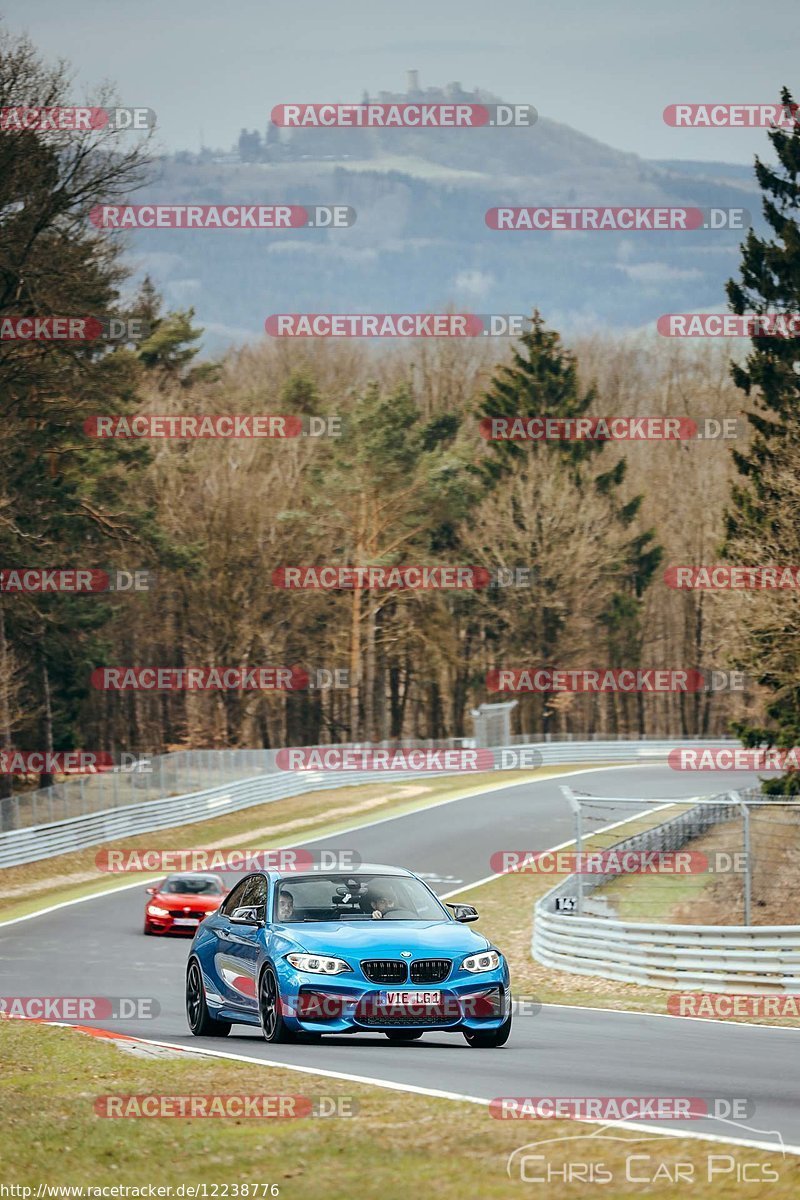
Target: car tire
(403,1035)
(492,1039)
(273,1026)
(147,928)
(201,1023)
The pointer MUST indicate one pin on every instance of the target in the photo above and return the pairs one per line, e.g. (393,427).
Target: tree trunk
(355,665)
(369,675)
(7,804)
(46,778)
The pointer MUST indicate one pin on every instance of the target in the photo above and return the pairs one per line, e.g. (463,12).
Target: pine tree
(769,282)
(172,343)
(543,381)
(65,498)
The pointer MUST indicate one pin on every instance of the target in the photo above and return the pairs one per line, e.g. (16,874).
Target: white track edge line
(416,1089)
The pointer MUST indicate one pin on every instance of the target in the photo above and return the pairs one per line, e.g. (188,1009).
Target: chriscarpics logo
(636,1162)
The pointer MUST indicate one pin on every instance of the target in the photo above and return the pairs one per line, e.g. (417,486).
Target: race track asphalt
(97,948)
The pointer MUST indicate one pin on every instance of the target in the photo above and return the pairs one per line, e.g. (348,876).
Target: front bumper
(314,1004)
(168,924)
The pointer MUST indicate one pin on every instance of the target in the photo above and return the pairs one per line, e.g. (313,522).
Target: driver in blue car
(382,901)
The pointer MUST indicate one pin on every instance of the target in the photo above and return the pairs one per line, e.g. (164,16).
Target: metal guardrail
(182,772)
(723,958)
(19,846)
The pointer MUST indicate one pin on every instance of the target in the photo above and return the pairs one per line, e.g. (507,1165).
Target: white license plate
(410,999)
(186,921)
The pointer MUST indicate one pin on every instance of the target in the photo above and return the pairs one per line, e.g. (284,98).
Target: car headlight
(489,960)
(319,964)
(155,911)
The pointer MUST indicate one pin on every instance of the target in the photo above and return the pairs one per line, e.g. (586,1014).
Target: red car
(180,903)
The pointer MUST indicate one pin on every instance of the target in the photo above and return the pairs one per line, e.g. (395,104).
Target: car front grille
(430,970)
(390,1018)
(385,970)
(179,912)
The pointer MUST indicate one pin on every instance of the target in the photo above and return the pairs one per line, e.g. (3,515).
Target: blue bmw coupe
(371,949)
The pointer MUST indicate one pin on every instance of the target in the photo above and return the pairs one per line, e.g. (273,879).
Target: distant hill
(734,172)
(420,242)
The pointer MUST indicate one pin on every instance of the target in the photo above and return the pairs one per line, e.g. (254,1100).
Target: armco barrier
(18,846)
(722,958)
(719,958)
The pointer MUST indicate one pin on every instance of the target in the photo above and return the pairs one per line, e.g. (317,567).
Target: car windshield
(193,887)
(360,898)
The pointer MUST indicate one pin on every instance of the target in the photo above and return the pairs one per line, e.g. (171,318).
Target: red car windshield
(192,887)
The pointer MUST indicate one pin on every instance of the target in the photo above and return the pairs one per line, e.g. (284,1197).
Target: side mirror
(152,891)
(245,916)
(464,912)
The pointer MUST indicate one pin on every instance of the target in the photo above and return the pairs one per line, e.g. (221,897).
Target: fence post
(748,856)
(575,805)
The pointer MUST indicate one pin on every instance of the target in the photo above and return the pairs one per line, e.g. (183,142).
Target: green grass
(653,898)
(396,1144)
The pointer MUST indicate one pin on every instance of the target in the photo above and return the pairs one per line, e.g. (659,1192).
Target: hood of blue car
(387,938)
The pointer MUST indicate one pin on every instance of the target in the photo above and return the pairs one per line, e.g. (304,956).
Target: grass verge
(718,898)
(395,1144)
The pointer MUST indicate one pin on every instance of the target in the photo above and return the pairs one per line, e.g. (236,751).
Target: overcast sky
(608,69)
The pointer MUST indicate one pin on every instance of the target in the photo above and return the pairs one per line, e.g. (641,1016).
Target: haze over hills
(420,242)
